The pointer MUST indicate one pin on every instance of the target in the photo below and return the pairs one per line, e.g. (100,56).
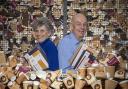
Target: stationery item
(25,18)
(97,85)
(22,77)
(36,84)
(72,73)
(110,59)
(3,69)
(84,56)
(9,69)
(90,78)
(27,84)
(102,56)
(31,75)
(37,59)
(100,72)
(13,85)
(110,84)
(41,74)
(57,84)
(82,72)
(43,84)
(126,75)
(80,83)
(120,74)
(24,46)
(2,57)
(2,86)
(20,27)
(24,69)
(110,70)
(12,61)
(91,70)
(124,65)
(3,78)
(52,75)
(10,75)
(104,61)
(13,24)
(68,81)
(124,84)
(16,71)
(113,61)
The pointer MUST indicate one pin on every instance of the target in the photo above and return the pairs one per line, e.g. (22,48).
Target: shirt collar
(72,36)
(45,41)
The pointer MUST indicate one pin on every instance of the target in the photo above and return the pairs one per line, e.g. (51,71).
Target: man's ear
(71,27)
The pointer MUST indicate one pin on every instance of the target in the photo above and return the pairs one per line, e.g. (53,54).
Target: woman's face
(41,33)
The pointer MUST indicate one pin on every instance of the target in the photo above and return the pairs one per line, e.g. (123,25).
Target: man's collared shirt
(66,48)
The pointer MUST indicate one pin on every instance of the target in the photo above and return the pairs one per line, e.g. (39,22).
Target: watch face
(69,82)
(97,86)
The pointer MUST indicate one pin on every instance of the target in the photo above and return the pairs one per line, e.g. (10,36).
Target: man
(42,30)
(68,45)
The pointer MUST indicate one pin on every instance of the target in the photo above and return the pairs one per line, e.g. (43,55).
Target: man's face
(41,33)
(79,26)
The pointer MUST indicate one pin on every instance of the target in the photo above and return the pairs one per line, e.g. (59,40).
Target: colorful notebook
(83,56)
(37,58)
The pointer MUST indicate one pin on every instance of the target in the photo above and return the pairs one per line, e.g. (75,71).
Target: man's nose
(82,26)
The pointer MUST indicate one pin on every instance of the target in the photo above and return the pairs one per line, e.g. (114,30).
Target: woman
(42,30)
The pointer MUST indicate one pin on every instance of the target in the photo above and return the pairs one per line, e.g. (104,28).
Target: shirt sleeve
(64,54)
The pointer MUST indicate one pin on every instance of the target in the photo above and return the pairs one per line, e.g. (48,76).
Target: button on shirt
(66,48)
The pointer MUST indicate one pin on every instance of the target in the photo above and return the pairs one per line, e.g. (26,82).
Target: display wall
(106,41)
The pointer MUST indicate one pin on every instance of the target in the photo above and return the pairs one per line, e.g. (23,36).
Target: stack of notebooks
(37,59)
(83,57)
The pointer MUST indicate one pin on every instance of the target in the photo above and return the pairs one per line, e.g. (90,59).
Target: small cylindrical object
(11,75)
(26,84)
(124,84)
(82,72)
(43,84)
(110,84)
(3,78)
(97,85)
(110,70)
(91,70)
(68,81)
(21,78)
(36,84)
(90,78)
(120,74)
(79,83)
